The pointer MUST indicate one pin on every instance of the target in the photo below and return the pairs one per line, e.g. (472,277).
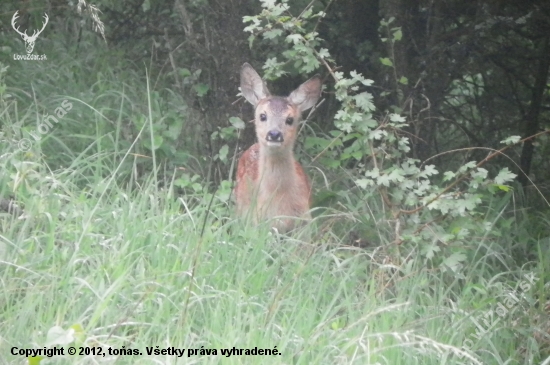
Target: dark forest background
(499,50)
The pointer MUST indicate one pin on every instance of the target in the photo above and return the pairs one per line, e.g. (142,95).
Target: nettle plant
(421,210)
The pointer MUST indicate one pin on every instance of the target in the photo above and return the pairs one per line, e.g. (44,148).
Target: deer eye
(263,117)
(289,121)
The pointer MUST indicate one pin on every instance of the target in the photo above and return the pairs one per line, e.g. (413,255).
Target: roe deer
(270,182)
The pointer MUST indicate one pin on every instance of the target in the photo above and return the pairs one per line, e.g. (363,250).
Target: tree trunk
(532,117)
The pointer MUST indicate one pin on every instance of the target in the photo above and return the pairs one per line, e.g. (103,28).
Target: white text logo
(29,40)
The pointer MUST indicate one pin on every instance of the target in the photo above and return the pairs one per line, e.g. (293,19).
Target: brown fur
(270,182)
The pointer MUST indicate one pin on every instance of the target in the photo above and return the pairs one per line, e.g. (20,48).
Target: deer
(270,183)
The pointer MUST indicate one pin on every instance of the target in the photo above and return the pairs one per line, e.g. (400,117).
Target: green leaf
(269,4)
(237,122)
(430,250)
(397,35)
(35,360)
(396,118)
(429,170)
(273,33)
(184,72)
(403,80)
(223,152)
(505,188)
(359,77)
(396,175)
(330,162)
(358,155)
(504,175)
(454,262)
(364,101)
(146,6)
(323,53)
(251,40)
(307,14)
(386,61)
(320,143)
(364,183)
(201,89)
(78,332)
(338,324)
(174,128)
(197,187)
(448,175)
(294,38)
(157,142)
(511,140)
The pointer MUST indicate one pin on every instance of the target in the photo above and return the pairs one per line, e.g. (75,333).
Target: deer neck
(277,170)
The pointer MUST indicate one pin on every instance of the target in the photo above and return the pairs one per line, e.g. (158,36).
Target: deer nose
(274,136)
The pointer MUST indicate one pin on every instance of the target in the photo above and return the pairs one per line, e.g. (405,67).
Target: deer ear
(307,94)
(253,87)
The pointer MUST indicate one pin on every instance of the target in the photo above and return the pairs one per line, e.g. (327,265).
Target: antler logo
(29,40)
